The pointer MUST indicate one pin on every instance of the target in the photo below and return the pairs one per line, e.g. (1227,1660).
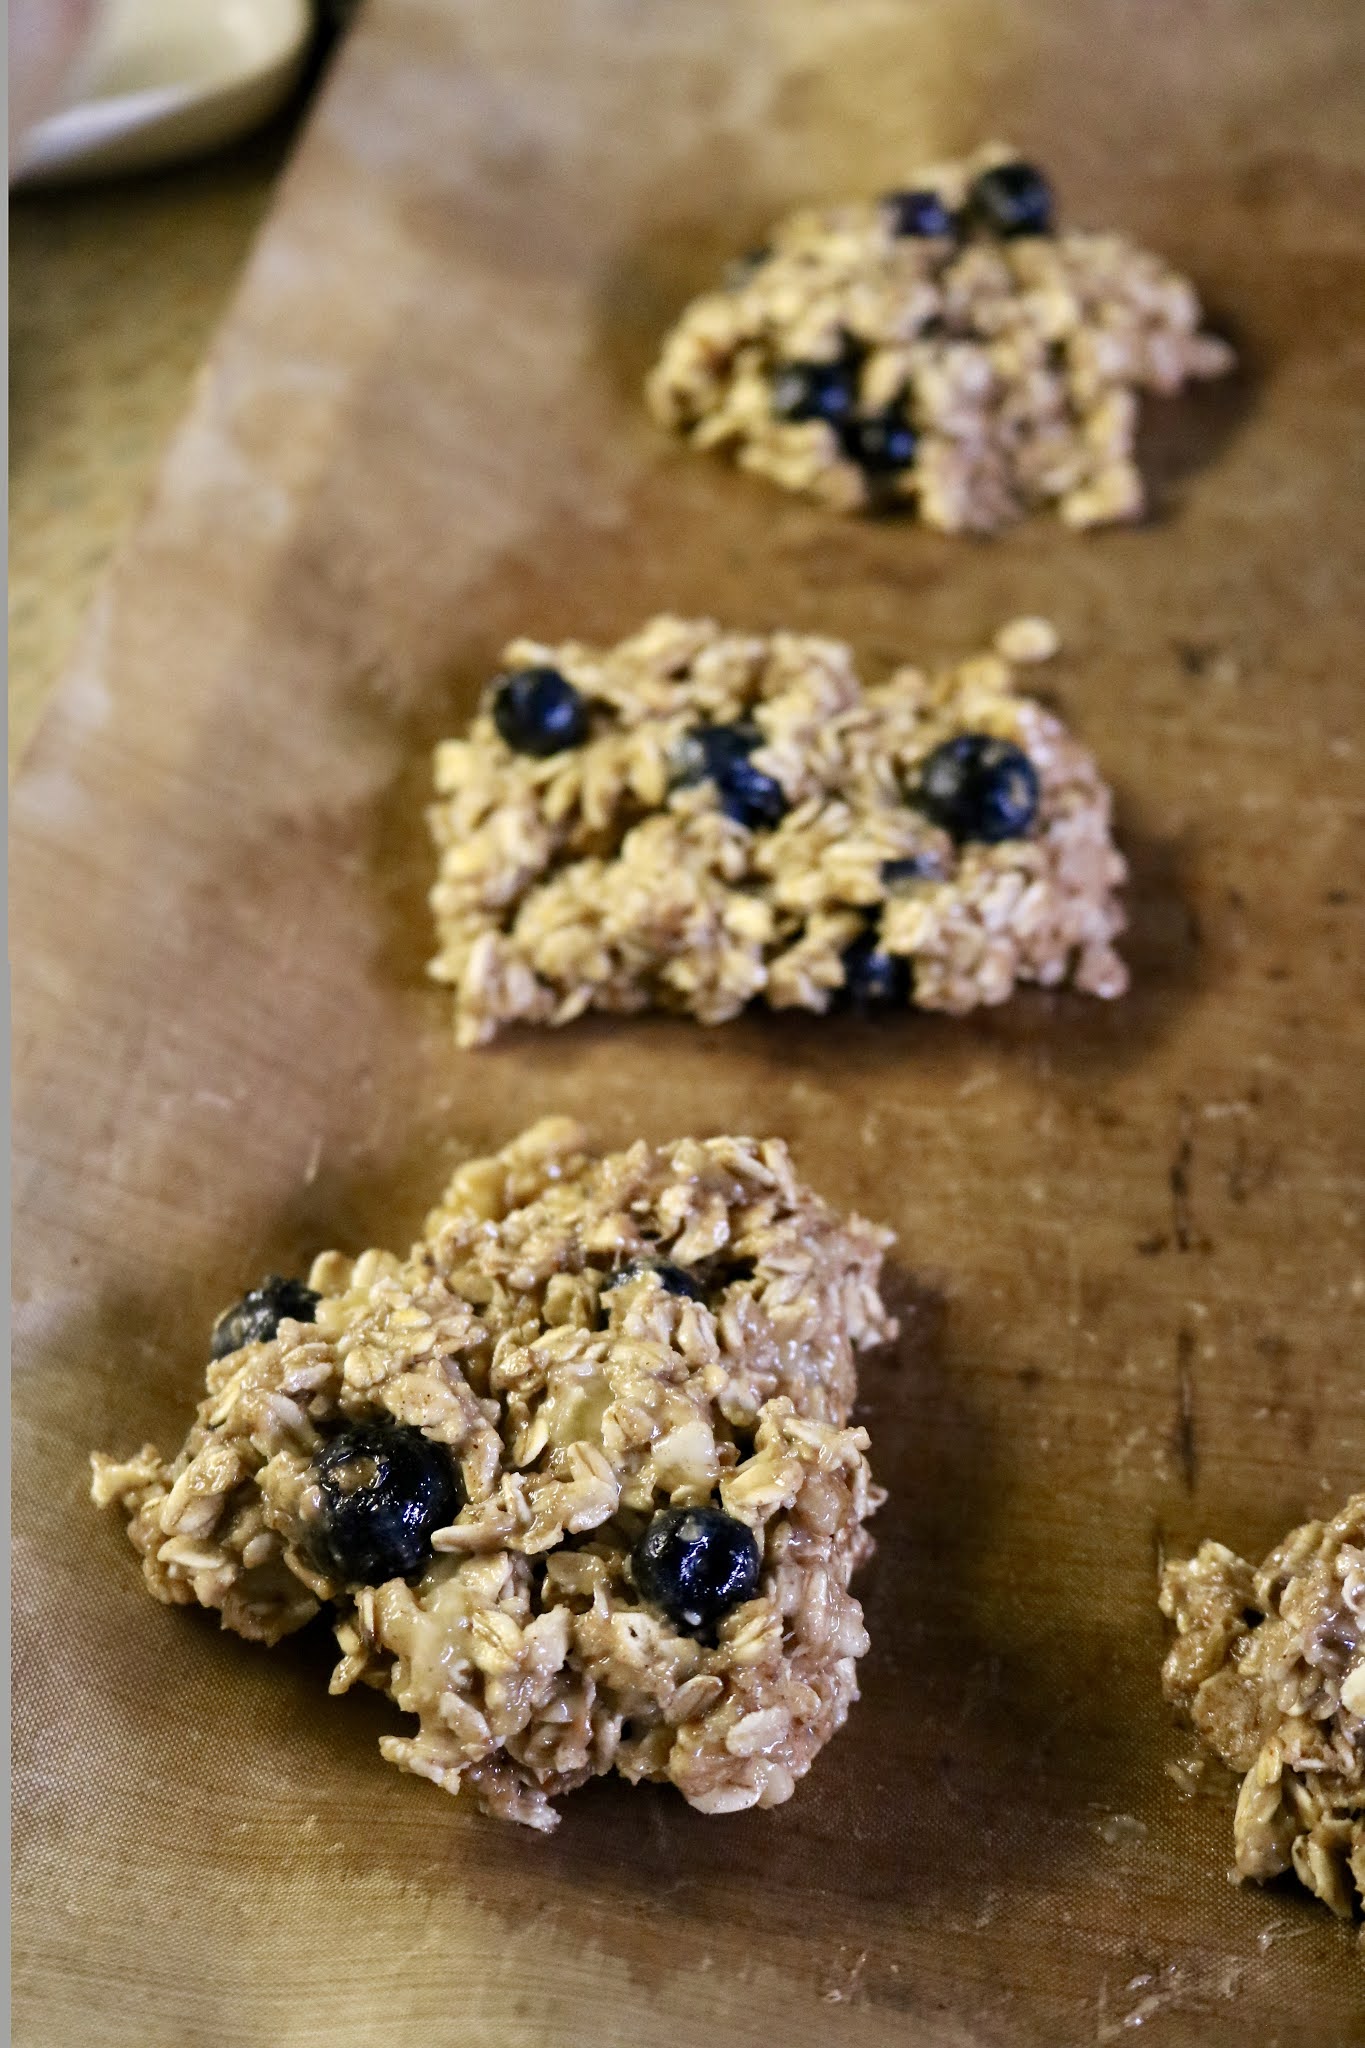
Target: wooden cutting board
(1130,1256)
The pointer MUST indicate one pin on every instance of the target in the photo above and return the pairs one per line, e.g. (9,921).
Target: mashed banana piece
(535,1337)
(971,373)
(1268,1667)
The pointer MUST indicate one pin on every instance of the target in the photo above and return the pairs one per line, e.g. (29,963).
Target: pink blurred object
(45,37)
(152,81)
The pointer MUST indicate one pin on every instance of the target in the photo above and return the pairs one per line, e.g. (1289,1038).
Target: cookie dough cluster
(1268,1667)
(944,347)
(698,819)
(576,1477)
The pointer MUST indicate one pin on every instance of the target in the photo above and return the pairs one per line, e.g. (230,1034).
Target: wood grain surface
(1129,1236)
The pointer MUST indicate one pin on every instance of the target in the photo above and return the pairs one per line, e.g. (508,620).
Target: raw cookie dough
(940,347)
(697,819)
(481,1456)
(1269,1669)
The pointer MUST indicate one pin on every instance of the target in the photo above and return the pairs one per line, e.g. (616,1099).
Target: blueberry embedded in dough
(696,1564)
(920,214)
(979,787)
(257,1316)
(882,443)
(538,711)
(816,391)
(383,1491)
(671,1278)
(873,978)
(1010,199)
(722,754)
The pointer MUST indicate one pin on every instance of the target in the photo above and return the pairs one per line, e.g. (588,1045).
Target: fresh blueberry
(873,979)
(977,787)
(384,1490)
(720,754)
(882,443)
(696,1563)
(919,214)
(1013,199)
(256,1317)
(816,391)
(673,1279)
(538,711)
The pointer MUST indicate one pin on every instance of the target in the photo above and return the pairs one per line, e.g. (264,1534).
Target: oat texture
(571,1409)
(1016,362)
(600,879)
(1268,1666)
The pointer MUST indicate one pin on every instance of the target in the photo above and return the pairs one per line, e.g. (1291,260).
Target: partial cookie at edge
(1268,1667)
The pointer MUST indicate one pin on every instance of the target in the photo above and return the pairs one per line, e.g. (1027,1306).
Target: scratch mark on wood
(1186,1446)
(1237,1172)
(1187,1237)
(1248,1175)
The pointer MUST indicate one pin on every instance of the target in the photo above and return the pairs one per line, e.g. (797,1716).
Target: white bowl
(162,79)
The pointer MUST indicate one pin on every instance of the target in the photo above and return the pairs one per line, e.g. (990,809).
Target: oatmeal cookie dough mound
(696,819)
(1269,1669)
(942,347)
(576,1477)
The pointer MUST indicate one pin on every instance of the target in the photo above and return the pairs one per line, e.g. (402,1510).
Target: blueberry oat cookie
(944,347)
(576,1477)
(1268,1666)
(697,819)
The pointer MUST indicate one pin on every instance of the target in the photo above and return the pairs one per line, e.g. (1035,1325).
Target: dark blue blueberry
(882,443)
(919,213)
(917,867)
(384,1490)
(720,754)
(1013,199)
(874,979)
(751,798)
(816,391)
(711,750)
(673,1279)
(977,787)
(696,1564)
(256,1317)
(538,711)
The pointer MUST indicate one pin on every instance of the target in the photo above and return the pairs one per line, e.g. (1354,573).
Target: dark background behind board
(1129,1236)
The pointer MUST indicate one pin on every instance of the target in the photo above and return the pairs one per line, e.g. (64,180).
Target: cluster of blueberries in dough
(974,786)
(1007,200)
(385,1488)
